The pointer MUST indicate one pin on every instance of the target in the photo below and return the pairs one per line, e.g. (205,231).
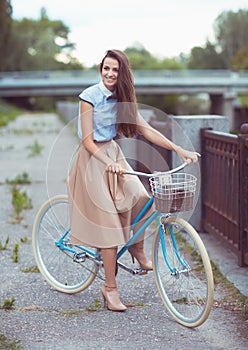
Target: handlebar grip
(157,173)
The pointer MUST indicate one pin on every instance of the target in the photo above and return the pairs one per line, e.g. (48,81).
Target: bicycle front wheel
(183,272)
(64,270)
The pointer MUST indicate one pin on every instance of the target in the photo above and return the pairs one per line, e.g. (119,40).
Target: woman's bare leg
(109,262)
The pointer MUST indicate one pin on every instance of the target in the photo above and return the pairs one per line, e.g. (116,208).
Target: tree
(231,35)
(205,58)
(231,32)
(41,45)
(240,59)
(140,58)
(5,30)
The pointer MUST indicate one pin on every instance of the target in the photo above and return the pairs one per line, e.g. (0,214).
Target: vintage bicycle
(181,265)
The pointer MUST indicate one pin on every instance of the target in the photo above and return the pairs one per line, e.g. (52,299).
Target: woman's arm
(86,114)
(159,139)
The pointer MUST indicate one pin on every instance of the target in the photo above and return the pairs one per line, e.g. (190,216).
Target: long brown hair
(126,111)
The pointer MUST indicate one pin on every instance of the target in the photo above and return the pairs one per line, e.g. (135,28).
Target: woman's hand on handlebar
(115,168)
(188,156)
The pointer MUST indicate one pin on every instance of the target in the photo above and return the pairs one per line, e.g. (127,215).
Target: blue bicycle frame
(62,244)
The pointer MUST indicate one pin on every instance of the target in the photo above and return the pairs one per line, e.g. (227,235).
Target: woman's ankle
(110,286)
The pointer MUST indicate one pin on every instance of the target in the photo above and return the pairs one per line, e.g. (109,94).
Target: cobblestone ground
(43,318)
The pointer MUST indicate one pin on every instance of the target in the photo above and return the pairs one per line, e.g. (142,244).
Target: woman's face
(109,73)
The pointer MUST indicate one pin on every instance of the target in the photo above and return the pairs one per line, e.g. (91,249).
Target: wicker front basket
(173,193)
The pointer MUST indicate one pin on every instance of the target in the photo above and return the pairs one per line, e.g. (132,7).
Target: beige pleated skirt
(102,205)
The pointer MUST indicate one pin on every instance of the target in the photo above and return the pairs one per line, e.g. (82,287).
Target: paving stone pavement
(46,319)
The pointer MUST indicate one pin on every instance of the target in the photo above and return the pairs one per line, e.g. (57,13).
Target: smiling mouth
(110,79)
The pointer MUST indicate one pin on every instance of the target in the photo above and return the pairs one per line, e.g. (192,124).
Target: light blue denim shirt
(104,112)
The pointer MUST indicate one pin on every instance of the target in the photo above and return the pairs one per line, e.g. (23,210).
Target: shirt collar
(104,90)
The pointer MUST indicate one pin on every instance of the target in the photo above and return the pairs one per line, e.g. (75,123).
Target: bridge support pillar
(223,104)
(186,133)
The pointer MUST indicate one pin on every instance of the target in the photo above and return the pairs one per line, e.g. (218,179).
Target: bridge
(70,83)
(222,86)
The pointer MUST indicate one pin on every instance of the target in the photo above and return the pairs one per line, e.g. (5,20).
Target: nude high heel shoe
(137,251)
(111,299)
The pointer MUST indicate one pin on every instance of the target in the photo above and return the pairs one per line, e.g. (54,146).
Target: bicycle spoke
(58,265)
(187,292)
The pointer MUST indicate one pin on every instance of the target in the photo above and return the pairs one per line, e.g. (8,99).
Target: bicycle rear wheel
(64,270)
(186,287)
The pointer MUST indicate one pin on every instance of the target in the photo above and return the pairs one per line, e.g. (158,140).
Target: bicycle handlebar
(157,173)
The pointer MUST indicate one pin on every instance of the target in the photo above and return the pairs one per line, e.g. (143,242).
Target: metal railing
(225,188)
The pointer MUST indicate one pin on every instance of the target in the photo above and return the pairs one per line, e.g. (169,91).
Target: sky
(165,28)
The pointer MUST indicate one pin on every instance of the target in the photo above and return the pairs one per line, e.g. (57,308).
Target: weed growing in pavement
(24,239)
(5,245)
(9,344)
(243,301)
(21,179)
(96,306)
(15,256)
(70,313)
(20,201)
(35,149)
(8,304)
(31,269)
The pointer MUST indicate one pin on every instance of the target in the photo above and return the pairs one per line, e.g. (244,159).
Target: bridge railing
(225,188)
(180,73)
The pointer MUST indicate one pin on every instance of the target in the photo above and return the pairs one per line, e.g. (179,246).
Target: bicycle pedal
(140,271)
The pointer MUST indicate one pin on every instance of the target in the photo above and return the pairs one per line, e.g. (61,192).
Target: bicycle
(181,265)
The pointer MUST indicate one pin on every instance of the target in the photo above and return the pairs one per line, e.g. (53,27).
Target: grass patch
(8,113)
(95,306)
(15,256)
(138,304)
(32,269)
(6,343)
(70,313)
(8,304)
(20,201)
(20,179)
(35,149)
(234,300)
(4,246)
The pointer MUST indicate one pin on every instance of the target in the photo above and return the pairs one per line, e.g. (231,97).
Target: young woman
(102,200)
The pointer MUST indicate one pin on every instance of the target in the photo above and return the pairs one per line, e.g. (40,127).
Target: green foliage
(5,31)
(240,60)
(231,31)
(32,269)
(21,179)
(15,256)
(205,58)
(8,344)
(35,149)
(228,49)
(40,45)
(96,306)
(5,245)
(7,113)
(140,58)
(8,304)
(243,301)
(20,201)
(164,103)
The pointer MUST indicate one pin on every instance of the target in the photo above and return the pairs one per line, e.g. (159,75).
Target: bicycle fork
(162,232)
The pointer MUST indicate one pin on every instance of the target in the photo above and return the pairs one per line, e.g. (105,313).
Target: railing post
(243,195)
(204,177)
